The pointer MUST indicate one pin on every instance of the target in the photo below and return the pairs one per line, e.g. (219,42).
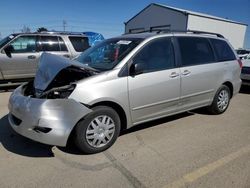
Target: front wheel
(98,130)
(221,100)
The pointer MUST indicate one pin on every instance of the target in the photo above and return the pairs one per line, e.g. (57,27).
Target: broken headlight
(56,93)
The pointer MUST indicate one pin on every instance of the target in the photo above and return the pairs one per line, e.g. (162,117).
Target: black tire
(214,108)
(84,143)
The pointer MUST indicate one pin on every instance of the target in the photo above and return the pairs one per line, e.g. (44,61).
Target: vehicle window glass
(49,43)
(108,53)
(80,44)
(223,50)
(5,40)
(195,50)
(62,45)
(157,55)
(23,44)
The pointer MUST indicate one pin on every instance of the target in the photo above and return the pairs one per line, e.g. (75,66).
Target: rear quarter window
(80,44)
(222,50)
(195,51)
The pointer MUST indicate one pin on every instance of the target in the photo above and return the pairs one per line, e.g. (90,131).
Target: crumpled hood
(49,66)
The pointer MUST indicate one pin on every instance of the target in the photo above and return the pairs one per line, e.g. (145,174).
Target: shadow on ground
(73,150)
(156,123)
(245,89)
(20,145)
(7,88)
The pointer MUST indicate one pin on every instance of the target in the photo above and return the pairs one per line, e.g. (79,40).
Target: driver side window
(23,44)
(155,56)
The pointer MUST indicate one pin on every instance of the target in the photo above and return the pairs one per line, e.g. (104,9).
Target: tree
(25,29)
(41,29)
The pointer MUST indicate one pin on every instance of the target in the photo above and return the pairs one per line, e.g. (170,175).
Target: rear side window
(195,51)
(222,50)
(49,43)
(80,44)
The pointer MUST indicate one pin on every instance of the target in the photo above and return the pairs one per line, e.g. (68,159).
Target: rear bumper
(49,121)
(236,87)
(245,79)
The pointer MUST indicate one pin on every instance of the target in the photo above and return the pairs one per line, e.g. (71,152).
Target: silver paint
(142,97)
(61,115)
(100,131)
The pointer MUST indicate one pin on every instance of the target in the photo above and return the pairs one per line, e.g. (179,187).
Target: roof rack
(205,32)
(158,31)
(61,32)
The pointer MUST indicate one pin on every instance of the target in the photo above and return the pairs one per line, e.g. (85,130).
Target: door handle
(173,75)
(31,57)
(186,72)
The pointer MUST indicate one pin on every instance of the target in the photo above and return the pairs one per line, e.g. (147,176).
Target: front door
(155,92)
(23,59)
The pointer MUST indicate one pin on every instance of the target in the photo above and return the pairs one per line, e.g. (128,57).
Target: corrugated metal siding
(157,16)
(235,33)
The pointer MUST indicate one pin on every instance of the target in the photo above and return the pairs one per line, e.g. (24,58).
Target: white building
(157,16)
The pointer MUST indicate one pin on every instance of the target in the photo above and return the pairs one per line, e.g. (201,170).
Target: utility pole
(64,25)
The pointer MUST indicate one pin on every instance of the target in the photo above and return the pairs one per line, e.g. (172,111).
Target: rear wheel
(98,130)
(221,100)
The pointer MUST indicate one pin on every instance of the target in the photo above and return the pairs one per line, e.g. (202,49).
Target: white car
(242,53)
(245,72)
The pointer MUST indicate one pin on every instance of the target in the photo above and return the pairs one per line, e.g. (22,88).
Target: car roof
(138,35)
(52,33)
(146,34)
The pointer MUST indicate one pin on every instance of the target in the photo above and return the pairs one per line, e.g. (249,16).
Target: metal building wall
(157,16)
(234,32)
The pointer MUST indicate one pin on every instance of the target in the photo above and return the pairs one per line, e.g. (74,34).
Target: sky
(107,16)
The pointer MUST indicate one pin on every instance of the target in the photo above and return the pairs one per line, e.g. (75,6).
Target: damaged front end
(41,110)
(56,76)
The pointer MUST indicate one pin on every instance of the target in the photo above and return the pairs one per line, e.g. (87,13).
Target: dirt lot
(188,150)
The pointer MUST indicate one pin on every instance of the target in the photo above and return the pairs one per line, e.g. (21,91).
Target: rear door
(23,60)
(199,72)
(154,93)
(54,45)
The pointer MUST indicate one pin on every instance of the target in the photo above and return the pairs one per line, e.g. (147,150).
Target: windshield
(6,40)
(107,54)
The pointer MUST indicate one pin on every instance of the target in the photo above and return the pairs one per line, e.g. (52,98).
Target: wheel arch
(120,111)
(117,108)
(230,86)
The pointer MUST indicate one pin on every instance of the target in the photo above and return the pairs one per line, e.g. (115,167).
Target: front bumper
(49,121)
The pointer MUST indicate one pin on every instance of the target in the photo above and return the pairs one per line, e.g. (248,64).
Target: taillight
(240,63)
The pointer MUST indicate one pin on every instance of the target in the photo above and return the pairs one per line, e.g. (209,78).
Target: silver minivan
(122,82)
(20,52)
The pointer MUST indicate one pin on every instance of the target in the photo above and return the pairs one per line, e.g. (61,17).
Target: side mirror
(8,49)
(137,68)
